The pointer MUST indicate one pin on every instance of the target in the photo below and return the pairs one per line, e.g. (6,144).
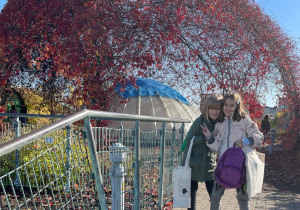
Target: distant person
(265,127)
(13,120)
(23,111)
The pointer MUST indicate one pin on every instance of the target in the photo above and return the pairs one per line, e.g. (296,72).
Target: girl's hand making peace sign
(205,130)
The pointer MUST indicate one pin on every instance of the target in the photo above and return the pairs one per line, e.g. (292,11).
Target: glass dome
(152,98)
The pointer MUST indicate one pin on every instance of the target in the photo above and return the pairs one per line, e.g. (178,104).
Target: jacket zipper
(228,133)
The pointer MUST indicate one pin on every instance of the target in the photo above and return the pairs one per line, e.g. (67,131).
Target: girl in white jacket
(234,127)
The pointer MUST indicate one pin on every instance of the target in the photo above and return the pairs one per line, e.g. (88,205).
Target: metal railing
(63,166)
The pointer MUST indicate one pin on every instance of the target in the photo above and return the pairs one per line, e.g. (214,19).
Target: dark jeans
(265,137)
(194,188)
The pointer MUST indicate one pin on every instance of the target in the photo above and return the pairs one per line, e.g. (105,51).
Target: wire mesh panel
(9,132)
(104,139)
(21,156)
(56,171)
(150,146)
(149,169)
(128,141)
(6,132)
(59,177)
(171,161)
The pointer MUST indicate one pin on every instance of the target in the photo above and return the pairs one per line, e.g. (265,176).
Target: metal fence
(62,166)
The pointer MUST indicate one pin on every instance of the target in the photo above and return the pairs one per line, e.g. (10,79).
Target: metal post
(121,134)
(117,157)
(172,154)
(137,166)
(273,135)
(181,142)
(17,153)
(95,163)
(68,151)
(161,165)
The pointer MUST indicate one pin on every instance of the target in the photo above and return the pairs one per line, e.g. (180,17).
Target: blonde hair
(239,112)
(213,102)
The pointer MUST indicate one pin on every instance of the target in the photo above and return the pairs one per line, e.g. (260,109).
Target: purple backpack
(231,169)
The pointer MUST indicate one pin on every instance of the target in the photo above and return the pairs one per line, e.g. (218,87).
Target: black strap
(242,188)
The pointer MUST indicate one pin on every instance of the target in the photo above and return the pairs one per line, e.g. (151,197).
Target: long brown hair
(239,112)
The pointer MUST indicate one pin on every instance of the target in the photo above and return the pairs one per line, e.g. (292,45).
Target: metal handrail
(36,134)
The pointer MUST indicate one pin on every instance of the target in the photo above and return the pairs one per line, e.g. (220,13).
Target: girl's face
(214,113)
(229,106)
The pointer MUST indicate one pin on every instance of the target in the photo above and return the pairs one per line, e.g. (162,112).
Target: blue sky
(285,12)
(2,2)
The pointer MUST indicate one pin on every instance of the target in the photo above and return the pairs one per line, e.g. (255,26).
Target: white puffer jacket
(229,131)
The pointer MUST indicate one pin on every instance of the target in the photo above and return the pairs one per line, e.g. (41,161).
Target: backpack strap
(242,188)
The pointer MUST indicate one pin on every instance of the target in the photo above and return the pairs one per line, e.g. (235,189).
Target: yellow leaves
(35,105)
(70,87)
(79,102)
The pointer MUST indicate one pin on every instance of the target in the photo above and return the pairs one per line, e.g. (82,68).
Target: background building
(270,111)
(281,105)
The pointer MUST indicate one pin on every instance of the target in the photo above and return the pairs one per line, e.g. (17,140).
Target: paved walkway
(270,198)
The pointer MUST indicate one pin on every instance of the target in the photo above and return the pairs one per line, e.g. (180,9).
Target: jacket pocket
(197,159)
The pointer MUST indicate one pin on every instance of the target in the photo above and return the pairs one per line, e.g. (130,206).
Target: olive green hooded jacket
(202,160)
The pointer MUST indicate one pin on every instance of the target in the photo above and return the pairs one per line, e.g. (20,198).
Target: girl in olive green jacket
(202,160)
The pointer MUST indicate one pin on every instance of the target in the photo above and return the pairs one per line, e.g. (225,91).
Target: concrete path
(270,198)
